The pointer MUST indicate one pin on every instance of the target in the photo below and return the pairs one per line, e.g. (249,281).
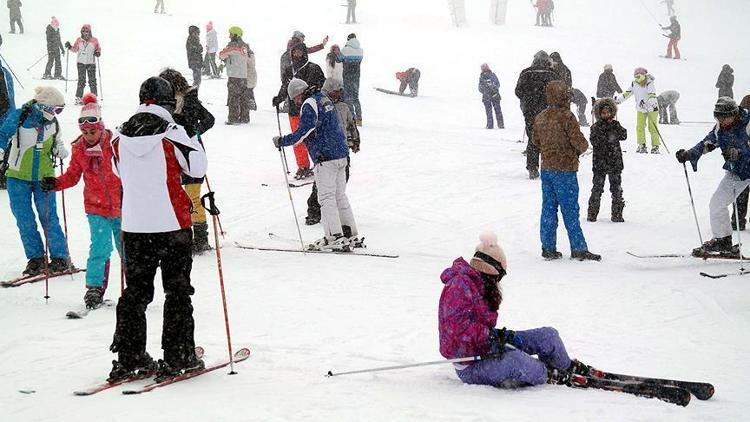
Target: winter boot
(533,174)
(300,174)
(593,212)
(354,240)
(617,212)
(141,365)
(579,368)
(337,243)
(58,265)
(200,238)
(585,256)
(35,266)
(307,173)
(655,149)
(641,149)
(46,76)
(312,220)
(94,297)
(715,246)
(178,366)
(549,255)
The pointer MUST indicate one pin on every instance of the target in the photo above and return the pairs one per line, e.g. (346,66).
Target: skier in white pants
(321,132)
(732,135)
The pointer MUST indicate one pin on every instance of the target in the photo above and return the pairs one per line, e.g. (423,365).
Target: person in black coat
(489,86)
(607,85)
(725,82)
(194,53)
(580,100)
(605,138)
(562,71)
(530,90)
(54,50)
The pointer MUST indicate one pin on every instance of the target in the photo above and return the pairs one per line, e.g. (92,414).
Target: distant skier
(674,37)
(489,87)
(235,56)
(351,14)
(607,85)
(579,99)
(670,6)
(352,55)
(334,66)
(14,9)
(54,50)
(194,53)
(561,70)
(409,77)
(212,47)
(559,139)
(7,105)
(543,12)
(732,135)
(725,82)
(647,108)
(159,3)
(606,135)
(319,128)
(88,49)
(667,101)
(467,316)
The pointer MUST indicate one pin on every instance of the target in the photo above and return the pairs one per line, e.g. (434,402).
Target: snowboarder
(212,47)
(730,135)
(351,15)
(88,49)
(54,50)
(606,135)
(580,100)
(196,120)
(647,108)
(530,90)
(559,139)
(667,101)
(467,316)
(311,73)
(158,4)
(14,8)
(352,55)
(151,152)
(409,77)
(319,128)
(235,55)
(607,85)
(32,134)
(674,37)
(489,87)
(725,82)
(194,53)
(334,66)
(7,105)
(561,70)
(92,159)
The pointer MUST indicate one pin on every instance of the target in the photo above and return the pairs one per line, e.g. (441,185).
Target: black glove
(683,156)
(731,154)
(3,167)
(48,184)
(502,336)
(276,101)
(97,53)
(67,45)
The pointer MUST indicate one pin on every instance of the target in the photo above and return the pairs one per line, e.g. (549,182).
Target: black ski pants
(742,200)
(53,59)
(532,152)
(615,188)
(83,71)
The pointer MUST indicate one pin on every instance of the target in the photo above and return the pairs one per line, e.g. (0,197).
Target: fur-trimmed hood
(609,102)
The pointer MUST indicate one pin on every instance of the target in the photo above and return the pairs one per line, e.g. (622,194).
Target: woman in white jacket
(646,106)
(212,47)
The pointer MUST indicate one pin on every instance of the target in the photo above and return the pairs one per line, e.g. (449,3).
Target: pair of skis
(27,279)
(726,257)
(355,251)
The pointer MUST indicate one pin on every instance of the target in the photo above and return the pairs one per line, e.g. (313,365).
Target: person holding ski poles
(674,37)
(647,107)
(732,135)
(7,105)
(88,49)
(54,50)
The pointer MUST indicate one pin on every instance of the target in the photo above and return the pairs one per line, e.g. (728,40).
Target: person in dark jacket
(725,82)
(743,198)
(54,50)
(530,90)
(194,53)
(607,85)
(580,100)
(561,70)
(352,55)
(190,114)
(674,36)
(14,8)
(605,138)
(489,87)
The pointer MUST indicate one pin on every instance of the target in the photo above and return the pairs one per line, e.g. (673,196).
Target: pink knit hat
(210,26)
(91,113)
(54,22)
(488,246)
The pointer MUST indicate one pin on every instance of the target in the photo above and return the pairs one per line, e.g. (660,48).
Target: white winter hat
(488,246)
(332,84)
(296,87)
(48,96)
(607,67)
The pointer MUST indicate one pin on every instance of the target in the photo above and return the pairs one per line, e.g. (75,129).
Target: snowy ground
(428,180)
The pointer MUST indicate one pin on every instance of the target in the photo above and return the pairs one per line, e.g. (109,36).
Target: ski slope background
(428,180)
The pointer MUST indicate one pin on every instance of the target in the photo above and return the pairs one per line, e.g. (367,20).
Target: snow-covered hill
(429,178)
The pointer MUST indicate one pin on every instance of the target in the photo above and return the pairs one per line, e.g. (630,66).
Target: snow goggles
(52,109)
(492,262)
(88,119)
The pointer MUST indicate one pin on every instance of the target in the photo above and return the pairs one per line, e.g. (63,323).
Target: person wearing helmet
(647,108)
(88,48)
(732,135)
(150,154)
(235,56)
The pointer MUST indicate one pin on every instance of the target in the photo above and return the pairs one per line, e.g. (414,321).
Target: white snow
(428,180)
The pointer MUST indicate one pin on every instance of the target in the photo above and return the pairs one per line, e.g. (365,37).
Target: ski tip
(199,351)
(242,354)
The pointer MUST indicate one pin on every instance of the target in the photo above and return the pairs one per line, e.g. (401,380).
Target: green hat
(235,30)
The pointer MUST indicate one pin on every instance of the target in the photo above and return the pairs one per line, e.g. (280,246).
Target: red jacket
(101,192)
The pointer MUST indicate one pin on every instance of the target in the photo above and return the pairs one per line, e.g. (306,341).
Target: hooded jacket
(489,86)
(301,68)
(194,48)
(605,140)
(195,119)
(607,85)
(212,42)
(725,82)
(645,95)
(235,56)
(25,160)
(88,50)
(737,137)
(530,87)
(320,130)
(557,133)
(352,55)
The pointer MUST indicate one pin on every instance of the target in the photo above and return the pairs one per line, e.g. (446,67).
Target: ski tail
(701,390)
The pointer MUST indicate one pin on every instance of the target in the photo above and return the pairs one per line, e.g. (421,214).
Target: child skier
(88,49)
(647,108)
(606,135)
(92,158)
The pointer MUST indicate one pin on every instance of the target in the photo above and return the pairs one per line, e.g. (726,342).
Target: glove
(97,53)
(503,337)
(731,154)
(3,167)
(276,101)
(67,45)
(683,156)
(277,141)
(642,104)
(48,184)
(60,152)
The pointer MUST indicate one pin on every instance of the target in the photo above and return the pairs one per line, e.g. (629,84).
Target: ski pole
(692,203)
(11,71)
(288,189)
(101,84)
(661,138)
(412,365)
(214,211)
(737,221)
(36,63)
(221,229)
(46,248)
(65,215)
(67,56)
(278,122)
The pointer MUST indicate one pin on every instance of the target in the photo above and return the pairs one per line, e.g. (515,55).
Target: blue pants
(20,193)
(103,231)
(518,366)
(560,189)
(488,106)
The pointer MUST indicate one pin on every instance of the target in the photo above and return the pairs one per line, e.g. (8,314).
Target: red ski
(239,356)
(39,277)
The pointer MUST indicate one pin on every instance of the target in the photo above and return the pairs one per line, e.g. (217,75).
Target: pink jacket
(464,319)
(87,50)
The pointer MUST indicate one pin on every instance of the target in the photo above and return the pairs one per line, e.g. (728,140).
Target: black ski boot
(551,254)
(200,238)
(177,367)
(559,376)
(94,297)
(617,212)
(141,365)
(585,256)
(533,174)
(715,246)
(60,264)
(579,368)
(593,212)
(312,220)
(35,266)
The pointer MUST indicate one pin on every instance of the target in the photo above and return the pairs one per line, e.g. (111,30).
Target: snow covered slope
(429,178)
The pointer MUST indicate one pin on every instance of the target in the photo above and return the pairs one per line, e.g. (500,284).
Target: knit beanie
(298,34)
(91,108)
(54,22)
(296,87)
(725,107)
(607,67)
(49,96)
(488,245)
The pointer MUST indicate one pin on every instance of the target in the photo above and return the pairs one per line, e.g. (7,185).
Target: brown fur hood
(557,94)
(608,102)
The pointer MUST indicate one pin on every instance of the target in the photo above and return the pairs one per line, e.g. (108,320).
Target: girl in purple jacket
(467,317)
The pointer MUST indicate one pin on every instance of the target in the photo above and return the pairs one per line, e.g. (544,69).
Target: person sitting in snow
(647,108)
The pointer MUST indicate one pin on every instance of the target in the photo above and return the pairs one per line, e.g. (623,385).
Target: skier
(32,134)
(647,108)
(559,139)
(530,90)
(212,47)
(351,15)
(742,200)
(194,54)
(731,135)
(607,85)
(725,82)
(667,101)
(235,55)
(561,70)
(319,128)
(352,55)
(542,13)
(311,73)
(298,38)
(580,100)
(670,6)
(159,3)
(489,87)
(88,49)
(606,135)
(92,158)
(196,120)
(54,50)
(409,77)
(150,153)
(674,37)
(334,90)
(14,8)
(467,315)
(7,105)
(334,66)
